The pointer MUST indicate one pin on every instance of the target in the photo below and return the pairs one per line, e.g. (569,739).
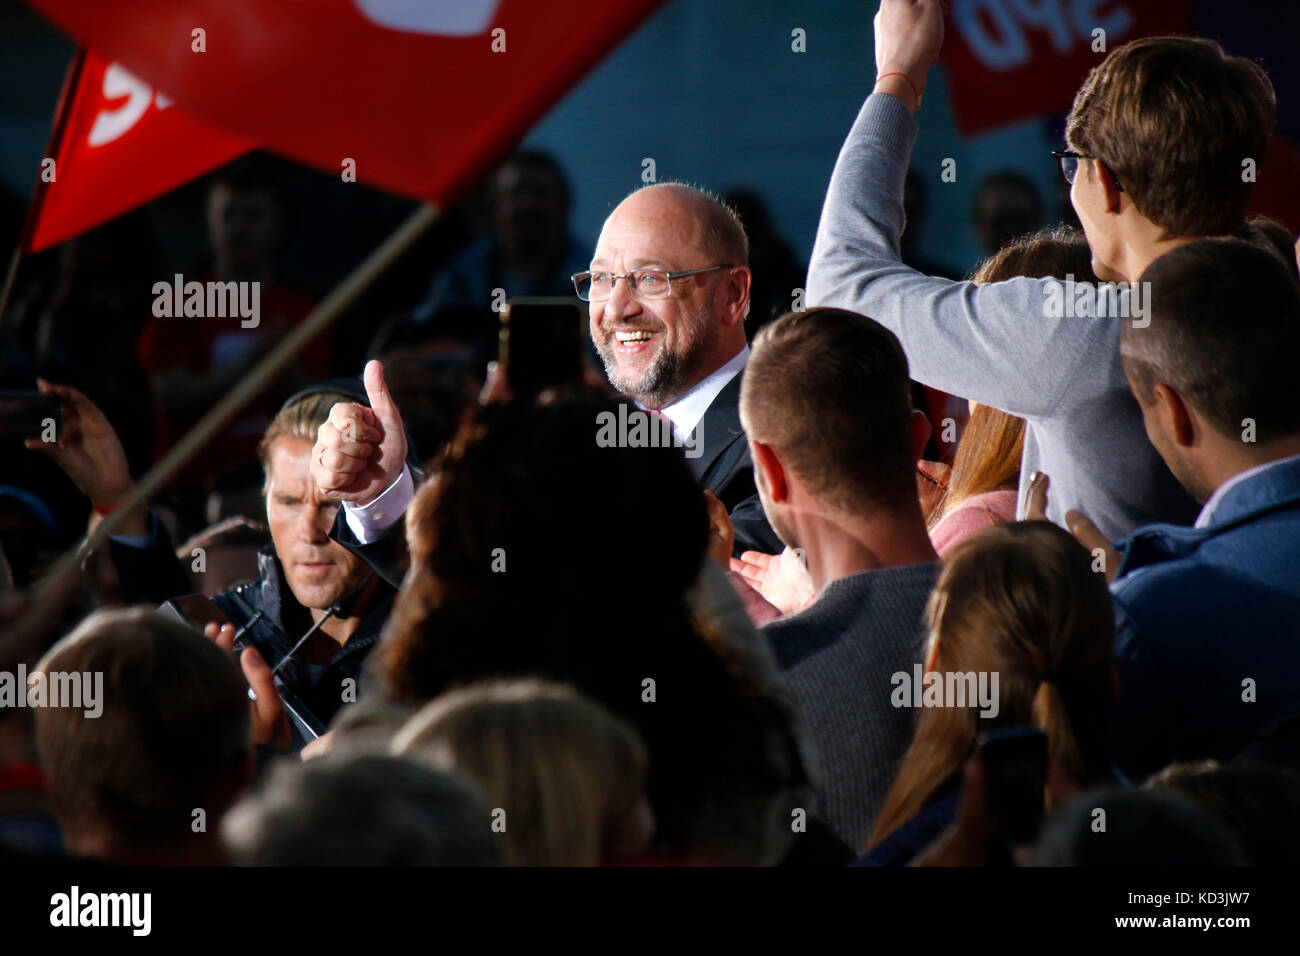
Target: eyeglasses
(1069,162)
(646,283)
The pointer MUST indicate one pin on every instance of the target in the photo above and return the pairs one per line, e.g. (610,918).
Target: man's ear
(770,471)
(1176,416)
(1109,191)
(920,434)
(735,289)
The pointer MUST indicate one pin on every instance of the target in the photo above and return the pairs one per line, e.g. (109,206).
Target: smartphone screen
(1015,775)
(28,414)
(542,344)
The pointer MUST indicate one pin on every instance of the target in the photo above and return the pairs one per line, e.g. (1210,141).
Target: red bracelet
(103,510)
(909,83)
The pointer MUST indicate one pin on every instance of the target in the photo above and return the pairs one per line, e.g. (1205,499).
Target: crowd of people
(450,627)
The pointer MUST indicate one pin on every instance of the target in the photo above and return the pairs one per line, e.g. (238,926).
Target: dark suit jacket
(725,468)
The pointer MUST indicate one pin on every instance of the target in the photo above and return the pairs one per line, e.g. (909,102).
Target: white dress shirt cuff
(369,522)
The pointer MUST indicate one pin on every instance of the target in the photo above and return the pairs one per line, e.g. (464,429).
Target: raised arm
(360,459)
(997,343)
(90,453)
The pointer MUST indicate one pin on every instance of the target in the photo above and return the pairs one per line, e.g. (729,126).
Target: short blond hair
(302,419)
(567,772)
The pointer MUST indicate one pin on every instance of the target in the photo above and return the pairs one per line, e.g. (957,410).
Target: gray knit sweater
(838,657)
(998,344)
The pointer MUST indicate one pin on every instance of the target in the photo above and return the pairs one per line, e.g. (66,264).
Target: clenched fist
(909,34)
(360,451)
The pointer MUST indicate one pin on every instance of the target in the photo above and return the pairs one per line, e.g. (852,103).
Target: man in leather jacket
(315,609)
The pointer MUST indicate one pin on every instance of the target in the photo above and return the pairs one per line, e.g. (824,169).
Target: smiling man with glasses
(663,368)
(668,292)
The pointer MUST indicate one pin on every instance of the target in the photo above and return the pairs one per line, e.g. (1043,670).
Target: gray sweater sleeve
(993,343)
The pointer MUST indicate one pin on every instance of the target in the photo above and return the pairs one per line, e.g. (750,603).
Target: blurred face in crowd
(318,569)
(654,350)
(529,209)
(244,229)
(1004,211)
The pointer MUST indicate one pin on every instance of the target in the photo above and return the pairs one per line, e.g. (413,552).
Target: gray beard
(667,377)
(661,379)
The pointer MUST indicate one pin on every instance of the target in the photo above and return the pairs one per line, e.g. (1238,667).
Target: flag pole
(53,148)
(326,312)
(14,262)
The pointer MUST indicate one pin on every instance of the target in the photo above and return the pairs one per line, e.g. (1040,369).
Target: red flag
(117,143)
(416,96)
(1008,60)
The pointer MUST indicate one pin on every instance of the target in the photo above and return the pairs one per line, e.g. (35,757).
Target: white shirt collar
(686,412)
(1207,512)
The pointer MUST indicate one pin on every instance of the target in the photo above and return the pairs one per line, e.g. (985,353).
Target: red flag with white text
(1010,60)
(418,97)
(118,143)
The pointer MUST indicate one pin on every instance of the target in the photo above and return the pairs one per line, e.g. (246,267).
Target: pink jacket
(972,515)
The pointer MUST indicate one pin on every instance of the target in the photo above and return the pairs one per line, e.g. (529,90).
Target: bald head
(703,221)
(657,347)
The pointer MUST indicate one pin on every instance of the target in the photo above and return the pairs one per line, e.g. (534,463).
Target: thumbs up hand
(360,451)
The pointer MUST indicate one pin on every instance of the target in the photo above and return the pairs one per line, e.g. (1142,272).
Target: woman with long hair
(1019,601)
(982,487)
